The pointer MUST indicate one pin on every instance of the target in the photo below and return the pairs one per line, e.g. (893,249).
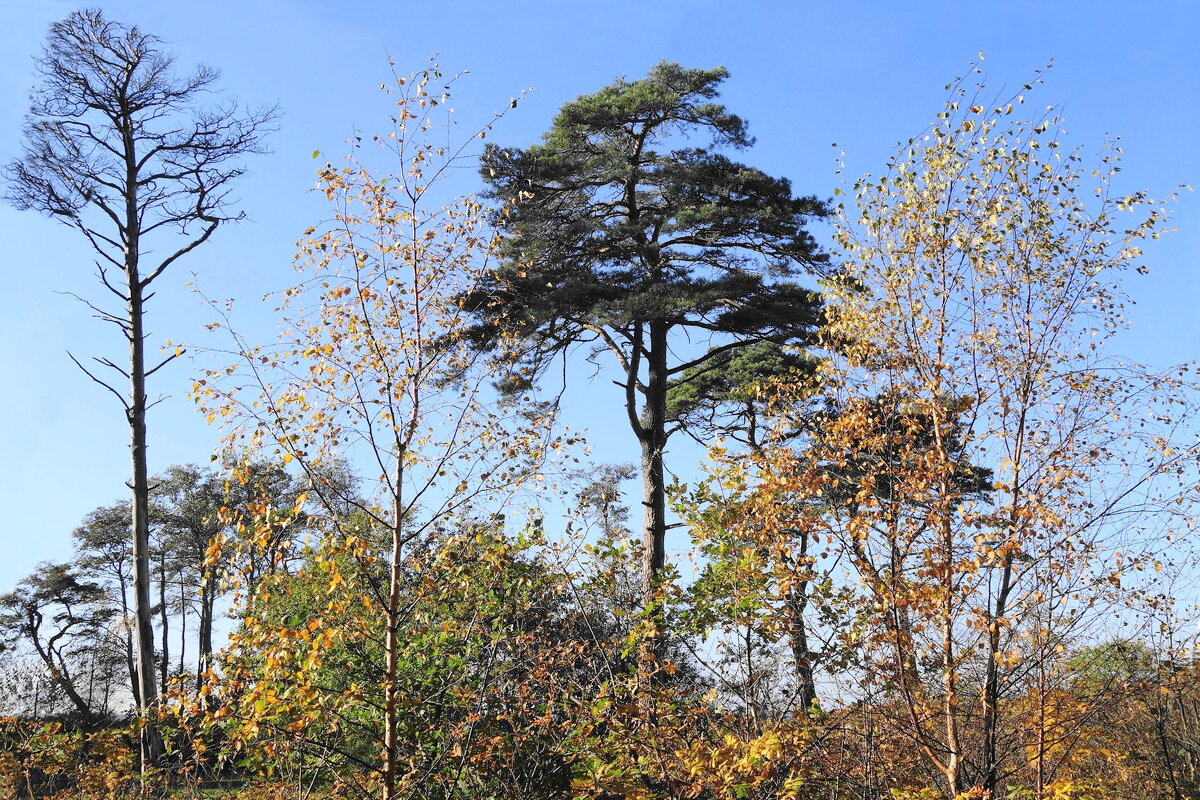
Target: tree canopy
(629,229)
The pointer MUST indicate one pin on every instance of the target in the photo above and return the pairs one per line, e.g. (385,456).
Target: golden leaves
(978,457)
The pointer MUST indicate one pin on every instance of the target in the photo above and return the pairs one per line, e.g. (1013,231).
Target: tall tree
(117,148)
(622,233)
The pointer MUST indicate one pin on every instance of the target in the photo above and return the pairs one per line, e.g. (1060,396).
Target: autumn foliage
(940,567)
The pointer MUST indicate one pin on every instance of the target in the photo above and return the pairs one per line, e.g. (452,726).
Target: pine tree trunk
(653,439)
(802,657)
(204,644)
(151,743)
(165,655)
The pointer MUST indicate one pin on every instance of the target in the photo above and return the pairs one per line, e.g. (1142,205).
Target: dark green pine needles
(629,230)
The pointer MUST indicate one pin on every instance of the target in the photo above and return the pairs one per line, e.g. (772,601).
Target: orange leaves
(212,554)
(768,764)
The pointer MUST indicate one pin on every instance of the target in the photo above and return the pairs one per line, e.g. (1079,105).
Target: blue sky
(862,74)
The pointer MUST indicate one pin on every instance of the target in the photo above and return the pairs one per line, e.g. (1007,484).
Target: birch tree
(986,482)
(983,288)
(374,365)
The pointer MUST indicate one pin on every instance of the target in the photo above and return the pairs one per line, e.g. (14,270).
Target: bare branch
(99,312)
(112,366)
(164,362)
(189,247)
(86,371)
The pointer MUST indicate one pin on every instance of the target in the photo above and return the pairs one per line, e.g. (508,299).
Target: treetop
(670,98)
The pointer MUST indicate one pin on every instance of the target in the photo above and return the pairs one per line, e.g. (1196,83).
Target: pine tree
(622,233)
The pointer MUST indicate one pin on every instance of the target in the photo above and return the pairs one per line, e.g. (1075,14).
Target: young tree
(117,148)
(987,479)
(374,364)
(623,233)
(983,285)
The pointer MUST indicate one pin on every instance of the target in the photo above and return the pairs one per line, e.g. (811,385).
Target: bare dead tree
(120,147)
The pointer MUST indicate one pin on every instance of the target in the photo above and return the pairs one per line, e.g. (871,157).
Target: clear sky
(805,74)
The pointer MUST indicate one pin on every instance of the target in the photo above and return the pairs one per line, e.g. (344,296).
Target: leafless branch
(86,371)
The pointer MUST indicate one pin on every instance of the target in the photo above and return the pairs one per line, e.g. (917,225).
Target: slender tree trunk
(106,710)
(950,666)
(1160,711)
(151,743)
(653,439)
(950,700)
(991,681)
(392,642)
(91,688)
(907,672)
(165,656)
(182,625)
(1039,783)
(128,632)
(205,645)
